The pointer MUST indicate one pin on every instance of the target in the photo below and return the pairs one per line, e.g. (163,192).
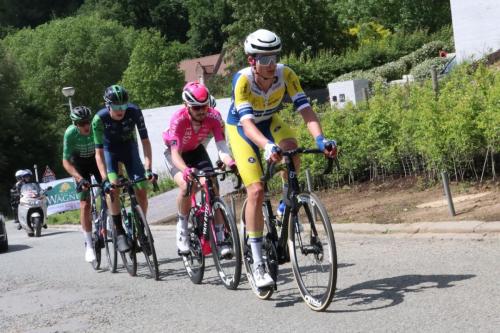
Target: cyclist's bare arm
(253,133)
(101,163)
(146,148)
(312,121)
(178,160)
(69,167)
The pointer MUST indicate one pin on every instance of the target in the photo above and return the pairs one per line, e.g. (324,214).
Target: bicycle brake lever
(269,172)
(329,167)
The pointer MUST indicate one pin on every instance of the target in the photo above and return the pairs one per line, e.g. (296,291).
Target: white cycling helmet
(27,172)
(262,41)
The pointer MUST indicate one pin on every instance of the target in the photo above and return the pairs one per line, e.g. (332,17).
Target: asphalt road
(387,283)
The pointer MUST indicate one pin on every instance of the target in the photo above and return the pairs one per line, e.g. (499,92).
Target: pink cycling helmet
(195,94)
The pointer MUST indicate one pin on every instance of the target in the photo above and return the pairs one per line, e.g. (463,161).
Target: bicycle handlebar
(289,153)
(217,172)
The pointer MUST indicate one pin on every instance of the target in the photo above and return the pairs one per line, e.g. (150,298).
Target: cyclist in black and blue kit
(115,141)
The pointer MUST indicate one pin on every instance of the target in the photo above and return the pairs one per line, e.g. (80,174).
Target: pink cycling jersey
(181,135)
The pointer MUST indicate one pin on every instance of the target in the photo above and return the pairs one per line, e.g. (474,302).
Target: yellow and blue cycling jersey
(249,101)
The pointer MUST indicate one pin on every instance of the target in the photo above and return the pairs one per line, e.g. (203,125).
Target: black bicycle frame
(293,191)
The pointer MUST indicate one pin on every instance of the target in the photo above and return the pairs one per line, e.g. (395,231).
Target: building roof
(194,68)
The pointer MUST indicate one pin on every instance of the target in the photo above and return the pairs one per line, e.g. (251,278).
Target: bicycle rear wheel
(146,241)
(194,262)
(312,252)
(228,265)
(267,248)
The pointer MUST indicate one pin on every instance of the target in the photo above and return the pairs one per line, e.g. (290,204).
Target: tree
(206,19)
(27,13)
(303,26)
(85,52)
(23,138)
(170,17)
(405,15)
(152,77)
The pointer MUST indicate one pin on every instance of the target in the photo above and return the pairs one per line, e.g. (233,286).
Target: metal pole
(70,105)
(435,83)
(446,185)
(36,172)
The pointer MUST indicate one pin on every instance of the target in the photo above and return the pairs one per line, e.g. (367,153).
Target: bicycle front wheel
(312,252)
(147,243)
(129,258)
(97,241)
(194,262)
(107,235)
(226,251)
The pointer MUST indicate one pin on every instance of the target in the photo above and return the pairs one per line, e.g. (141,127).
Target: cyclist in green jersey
(79,161)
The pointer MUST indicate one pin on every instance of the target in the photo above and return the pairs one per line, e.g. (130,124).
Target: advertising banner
(62,197)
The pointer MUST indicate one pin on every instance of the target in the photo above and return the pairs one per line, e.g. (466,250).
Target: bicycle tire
(308,245)
(194,262)
(109,245)
(129,263)
(261,293)
(146,242)
(96,264)
(229,267)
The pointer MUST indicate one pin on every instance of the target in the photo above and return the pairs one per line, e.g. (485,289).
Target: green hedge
(407,130)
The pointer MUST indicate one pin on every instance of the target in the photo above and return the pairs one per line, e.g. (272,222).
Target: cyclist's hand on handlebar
(232,166)
(329,147)
(272,152)
(149,175)
(82,185)
(187,174)
(106,186)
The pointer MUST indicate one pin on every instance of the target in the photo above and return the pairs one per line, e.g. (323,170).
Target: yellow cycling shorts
(246,153)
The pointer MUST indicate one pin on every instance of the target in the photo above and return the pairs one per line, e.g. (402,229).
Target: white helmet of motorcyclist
(19,174)
(27,175)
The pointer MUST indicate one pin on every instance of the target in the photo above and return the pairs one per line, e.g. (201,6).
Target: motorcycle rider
(79,161)
(15,195)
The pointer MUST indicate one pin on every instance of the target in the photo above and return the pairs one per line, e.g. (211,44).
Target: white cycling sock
(182,223)
(256,245)
(88,238)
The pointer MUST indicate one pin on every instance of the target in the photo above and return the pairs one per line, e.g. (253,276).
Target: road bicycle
(102,233)
(202,231)
(303,236)
(136,229)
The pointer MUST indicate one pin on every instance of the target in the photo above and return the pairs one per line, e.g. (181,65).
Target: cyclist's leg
(113,202)
(183,204)
(285,137)
(85,210)
(247,159)
(135,170)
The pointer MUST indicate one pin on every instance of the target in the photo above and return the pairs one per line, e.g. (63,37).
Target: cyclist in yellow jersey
(253,124)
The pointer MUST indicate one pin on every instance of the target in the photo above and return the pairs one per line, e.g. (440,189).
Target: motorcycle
(32,209)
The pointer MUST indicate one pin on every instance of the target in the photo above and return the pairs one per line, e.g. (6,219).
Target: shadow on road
(18,247)
(54,233)
(383,293)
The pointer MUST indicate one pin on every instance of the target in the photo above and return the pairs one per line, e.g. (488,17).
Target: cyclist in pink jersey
(190,129)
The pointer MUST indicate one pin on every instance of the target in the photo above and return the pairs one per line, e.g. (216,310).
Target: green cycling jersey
(77,146)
